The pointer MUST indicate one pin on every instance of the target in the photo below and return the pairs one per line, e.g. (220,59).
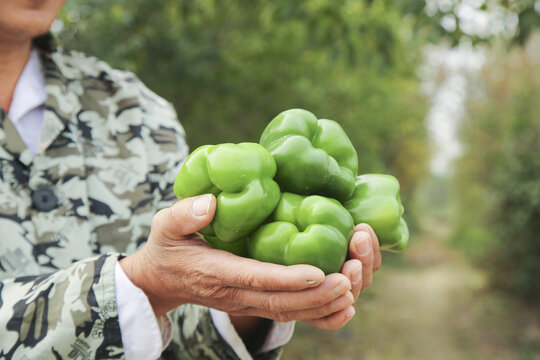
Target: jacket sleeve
(70,313)
(196,337)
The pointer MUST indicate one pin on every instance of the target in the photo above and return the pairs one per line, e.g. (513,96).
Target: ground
(427,303)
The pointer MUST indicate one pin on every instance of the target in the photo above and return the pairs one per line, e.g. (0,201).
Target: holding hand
(176,267)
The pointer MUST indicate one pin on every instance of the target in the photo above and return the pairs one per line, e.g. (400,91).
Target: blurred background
(443,94)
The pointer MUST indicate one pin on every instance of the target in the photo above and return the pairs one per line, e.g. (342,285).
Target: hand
(176,267)
(363,247)
(365,259)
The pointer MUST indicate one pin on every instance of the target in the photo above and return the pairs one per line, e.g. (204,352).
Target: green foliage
(501,15)
(498,182)
(230,66)
(528,13)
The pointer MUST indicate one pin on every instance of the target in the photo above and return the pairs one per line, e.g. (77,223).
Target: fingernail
(356,276)
(363,243)
(312,282)
(340,289)
(349,312)
(201,205)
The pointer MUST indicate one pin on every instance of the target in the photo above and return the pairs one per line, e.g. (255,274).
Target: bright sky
(447,70)
(454,66)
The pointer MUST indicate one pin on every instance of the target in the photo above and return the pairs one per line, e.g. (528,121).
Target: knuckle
(239,308)
(248,280)
(158,218)
(283,317)
(321,300)
(367,282)
(227,298)
(339,277)
(369,259)
(367,265)
(206,288)
(349,298)
(318,298)
(332,308)
(273,304)
(216,293)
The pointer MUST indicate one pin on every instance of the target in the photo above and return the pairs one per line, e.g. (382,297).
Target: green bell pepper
(311,230)
(312,156)
(237,247)
(241,178)
(376,201)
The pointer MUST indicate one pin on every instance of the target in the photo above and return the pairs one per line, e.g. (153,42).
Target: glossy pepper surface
(376,201)
(313,156)
(237,247)
(240,176)
(311,230)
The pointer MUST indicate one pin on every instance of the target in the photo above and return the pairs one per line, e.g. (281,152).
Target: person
(97,259)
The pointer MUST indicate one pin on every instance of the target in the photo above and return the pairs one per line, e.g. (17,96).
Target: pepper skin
(240,176)
(311,230)
(312,156)
(238,247)
(403,231)
(376,201)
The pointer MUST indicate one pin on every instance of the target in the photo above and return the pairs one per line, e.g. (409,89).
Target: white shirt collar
(30,91)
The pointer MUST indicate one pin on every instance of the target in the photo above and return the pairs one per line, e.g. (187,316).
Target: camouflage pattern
(109,153)
(195,332)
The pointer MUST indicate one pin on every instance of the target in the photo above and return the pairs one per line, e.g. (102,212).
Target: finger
(185,217)
(375,244)
(239,272)
(334,306)
(360,248)
(353,270)
(276,302)
(335,321)
(342,302)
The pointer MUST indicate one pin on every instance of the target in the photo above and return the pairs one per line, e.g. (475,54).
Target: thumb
(186,216)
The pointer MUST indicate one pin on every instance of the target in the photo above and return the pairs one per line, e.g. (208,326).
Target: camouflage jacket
(108,155)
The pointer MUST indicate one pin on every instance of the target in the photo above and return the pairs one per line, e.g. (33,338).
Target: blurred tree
(479,21)
(231,66)
(528,12)
(498,182)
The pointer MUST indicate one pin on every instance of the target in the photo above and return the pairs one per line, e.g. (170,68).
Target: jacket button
(44,199)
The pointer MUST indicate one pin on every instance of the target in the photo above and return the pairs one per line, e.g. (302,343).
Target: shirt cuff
(143,336)
(279,335)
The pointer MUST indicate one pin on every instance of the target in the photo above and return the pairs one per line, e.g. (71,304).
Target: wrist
(139,271)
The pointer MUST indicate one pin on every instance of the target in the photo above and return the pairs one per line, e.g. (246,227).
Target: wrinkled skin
(176,266)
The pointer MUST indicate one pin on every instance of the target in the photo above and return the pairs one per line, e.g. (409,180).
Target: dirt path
(428,304)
